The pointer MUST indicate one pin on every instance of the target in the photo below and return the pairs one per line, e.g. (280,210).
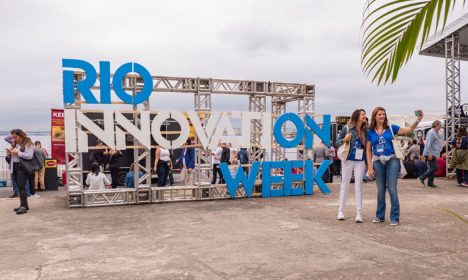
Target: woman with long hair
(96,179)
(383,163)
(22,151)
(353,133)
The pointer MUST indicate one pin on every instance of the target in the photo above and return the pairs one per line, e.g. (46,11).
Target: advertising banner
(57,135)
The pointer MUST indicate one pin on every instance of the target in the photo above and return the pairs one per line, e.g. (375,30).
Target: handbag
(31,165)
(398,154)
(397,146)
(403,172)
(343,150)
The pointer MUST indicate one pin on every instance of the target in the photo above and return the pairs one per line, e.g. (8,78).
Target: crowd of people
(373,152)
(26,162)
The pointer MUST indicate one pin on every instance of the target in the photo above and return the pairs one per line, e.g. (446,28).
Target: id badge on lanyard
(359,151)
(359,154)
(381,146)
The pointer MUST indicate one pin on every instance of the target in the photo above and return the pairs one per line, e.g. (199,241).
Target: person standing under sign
(161,165)
(353,133)
(113,165)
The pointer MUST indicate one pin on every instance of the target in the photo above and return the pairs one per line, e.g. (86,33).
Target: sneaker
(21,211)
(432,186)
(16,195)
(340,216)
(358,219)
(465,185)
(394,223)
(421,180)
(35,195)
(460,185)
(377,220)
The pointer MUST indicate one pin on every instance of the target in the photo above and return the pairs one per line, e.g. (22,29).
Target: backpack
(243,157)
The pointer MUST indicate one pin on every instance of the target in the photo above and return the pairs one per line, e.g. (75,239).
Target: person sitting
(96,179)
(130,177)
(410,169)
(441,166)
(420,166)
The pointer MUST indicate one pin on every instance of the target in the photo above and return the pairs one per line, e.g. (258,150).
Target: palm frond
(392,29)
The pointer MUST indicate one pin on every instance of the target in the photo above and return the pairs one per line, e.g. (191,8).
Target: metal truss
(109,197)
(452,87)
(306,106)
(278,107)
(203,105)
(74,161)
(203,89)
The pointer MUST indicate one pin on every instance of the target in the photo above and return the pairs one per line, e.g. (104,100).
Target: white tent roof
(435,45)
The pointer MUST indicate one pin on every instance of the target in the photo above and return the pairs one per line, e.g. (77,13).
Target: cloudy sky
(289,41)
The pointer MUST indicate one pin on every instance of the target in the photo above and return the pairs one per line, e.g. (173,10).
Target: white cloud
(293,41)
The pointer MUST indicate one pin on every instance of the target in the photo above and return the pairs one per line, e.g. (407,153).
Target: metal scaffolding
(203,90)
(452,89)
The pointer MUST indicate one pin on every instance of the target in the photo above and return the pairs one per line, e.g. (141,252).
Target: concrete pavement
(275,238)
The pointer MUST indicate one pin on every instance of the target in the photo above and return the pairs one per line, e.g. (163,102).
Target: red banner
(57,135)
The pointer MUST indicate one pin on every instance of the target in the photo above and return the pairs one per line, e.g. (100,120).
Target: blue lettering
(233,183)
(84,86)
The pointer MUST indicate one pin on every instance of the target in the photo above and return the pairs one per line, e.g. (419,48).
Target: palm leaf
(392,29)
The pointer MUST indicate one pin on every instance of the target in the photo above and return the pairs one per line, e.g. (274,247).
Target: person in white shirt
(216,159)
(96,179)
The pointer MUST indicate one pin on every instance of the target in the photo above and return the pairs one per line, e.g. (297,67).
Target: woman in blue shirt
(353,133)
(383,163)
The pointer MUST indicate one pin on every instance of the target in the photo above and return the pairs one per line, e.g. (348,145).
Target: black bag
(31,165)
(27,165)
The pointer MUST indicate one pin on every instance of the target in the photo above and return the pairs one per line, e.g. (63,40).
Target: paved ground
(278,238)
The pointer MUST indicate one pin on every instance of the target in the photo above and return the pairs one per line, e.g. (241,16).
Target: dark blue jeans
(163,173)
(386,177)
(430,172)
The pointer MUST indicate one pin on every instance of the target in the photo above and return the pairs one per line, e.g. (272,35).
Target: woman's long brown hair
(25,140)
(373,123)
(354,120)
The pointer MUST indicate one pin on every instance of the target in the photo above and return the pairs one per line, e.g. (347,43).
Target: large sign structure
(263,132)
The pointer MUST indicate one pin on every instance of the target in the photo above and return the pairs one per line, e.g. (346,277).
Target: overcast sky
(313,42)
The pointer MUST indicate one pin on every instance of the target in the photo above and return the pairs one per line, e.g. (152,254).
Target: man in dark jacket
(225,157)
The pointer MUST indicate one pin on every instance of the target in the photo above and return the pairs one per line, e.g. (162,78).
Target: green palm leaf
(392,30)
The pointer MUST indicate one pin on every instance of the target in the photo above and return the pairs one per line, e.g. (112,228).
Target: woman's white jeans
(347,168)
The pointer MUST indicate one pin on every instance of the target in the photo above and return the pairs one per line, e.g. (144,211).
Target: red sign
(57,135)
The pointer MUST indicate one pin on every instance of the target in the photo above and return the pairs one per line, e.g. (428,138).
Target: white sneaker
(36,195)
(340,216)
(359,219)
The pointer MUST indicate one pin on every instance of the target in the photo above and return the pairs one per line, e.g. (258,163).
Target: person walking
(21,156)
(96,180)
(383,163)
(431,153)
(39,174)
(161,165)
(355,134)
